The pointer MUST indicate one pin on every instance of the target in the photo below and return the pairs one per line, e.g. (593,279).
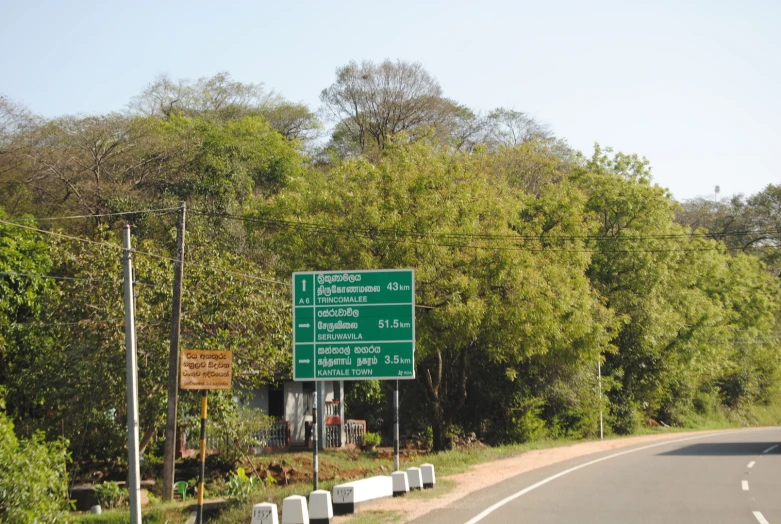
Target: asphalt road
(728,477)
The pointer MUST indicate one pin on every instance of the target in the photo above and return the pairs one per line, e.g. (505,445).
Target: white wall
(259,399)
(296,409)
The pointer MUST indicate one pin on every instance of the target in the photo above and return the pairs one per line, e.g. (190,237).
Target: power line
(61,235)
(31,275)
(82,279)
(314,227)
(138,212)
(143,253)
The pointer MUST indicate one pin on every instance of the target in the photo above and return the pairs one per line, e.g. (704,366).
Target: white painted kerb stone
(400,483)
(415,478)
(349,496)
(265,513)
(294,510)
(320,509)
(429,479)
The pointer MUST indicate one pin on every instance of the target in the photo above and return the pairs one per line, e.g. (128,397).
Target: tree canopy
(535,263)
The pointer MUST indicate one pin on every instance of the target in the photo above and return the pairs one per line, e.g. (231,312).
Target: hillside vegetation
(534,262)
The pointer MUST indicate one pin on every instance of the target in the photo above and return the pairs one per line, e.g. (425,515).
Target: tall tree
(373,102)
(484,293)
(222,98)
(745,224)
(670,289)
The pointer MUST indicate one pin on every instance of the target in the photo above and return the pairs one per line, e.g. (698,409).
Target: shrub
(371,439)
(110,495)
(33,478)
(240,486)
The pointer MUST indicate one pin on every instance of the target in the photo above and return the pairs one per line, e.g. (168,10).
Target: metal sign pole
(201,480)
(314,438)
(396,427)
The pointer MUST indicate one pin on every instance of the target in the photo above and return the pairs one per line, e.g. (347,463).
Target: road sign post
(354,325)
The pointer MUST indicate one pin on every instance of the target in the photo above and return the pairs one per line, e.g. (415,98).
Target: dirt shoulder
(490,473)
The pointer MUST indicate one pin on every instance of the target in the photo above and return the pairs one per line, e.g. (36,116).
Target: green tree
(65,372)
(23,258)
(746,224)
(670,288)
(219,97)
(33,479)
(371,103)
(483,294)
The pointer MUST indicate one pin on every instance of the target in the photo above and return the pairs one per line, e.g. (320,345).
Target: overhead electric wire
(406,236)
(31,275)
(120,213)
(311,226)
(412,237)
(82,279)
(61,235)
(143,253)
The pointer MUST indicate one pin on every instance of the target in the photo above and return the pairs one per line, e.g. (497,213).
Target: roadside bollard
(320,509)
(294,510)
(415,478)
(265,513)
(427,472)
(400,483)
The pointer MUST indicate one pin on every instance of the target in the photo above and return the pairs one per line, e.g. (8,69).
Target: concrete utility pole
(169,454)
(134,474)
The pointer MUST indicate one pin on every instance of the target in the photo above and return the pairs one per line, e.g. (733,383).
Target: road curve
(727,477)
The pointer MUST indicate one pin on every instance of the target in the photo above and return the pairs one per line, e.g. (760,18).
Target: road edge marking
(760,517)
(480,516)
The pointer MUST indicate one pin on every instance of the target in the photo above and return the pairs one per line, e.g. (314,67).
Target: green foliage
(232,160)
(111,495)
(372,439)
(33,479)
(237,429)
(533,263)
(428,210)
(240,486)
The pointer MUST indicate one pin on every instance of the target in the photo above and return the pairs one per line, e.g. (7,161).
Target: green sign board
(354,325)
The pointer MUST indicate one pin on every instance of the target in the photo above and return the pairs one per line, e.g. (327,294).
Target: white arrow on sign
(304,325)
(303,361)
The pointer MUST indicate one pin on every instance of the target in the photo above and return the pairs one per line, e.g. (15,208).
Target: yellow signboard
(201,369)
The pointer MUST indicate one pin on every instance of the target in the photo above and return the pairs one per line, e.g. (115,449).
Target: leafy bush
(33,479)
(371,439)
(234,430)
(110,495)
(240,486)
(625,417)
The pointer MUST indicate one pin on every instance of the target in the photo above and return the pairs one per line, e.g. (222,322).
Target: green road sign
(354,325)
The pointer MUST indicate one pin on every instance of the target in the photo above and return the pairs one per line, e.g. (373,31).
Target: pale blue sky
(694,86)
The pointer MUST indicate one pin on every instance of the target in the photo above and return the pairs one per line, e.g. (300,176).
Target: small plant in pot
(371,441)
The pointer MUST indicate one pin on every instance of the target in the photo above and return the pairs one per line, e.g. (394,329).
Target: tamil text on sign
(353,325)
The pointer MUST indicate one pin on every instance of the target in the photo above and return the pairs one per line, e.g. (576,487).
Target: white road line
(771,448)
(526,490)
(744,485)
(751,464)
(760,518)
